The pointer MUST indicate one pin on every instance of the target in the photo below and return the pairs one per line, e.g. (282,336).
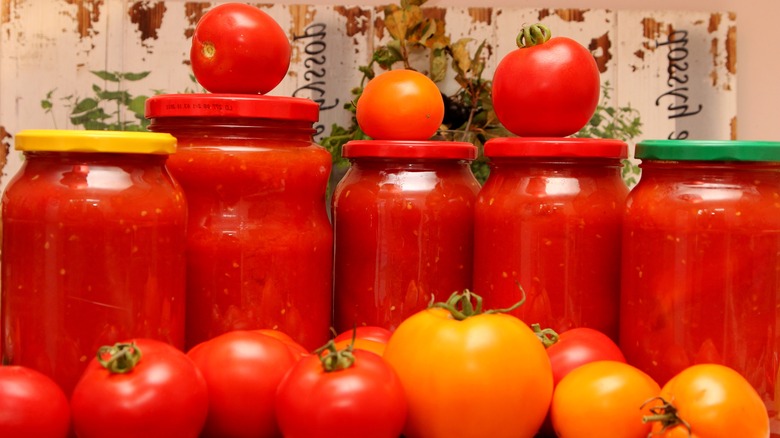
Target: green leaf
(138,105)
(135,76)
(84,105)
(438,65)
(118,96)
(106,75)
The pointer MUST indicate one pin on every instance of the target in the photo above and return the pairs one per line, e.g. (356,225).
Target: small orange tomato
(602,399)
(400,105)
(714,400)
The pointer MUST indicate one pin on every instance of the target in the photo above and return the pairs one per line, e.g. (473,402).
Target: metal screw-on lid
(232,105)
(708,150)
(56,140)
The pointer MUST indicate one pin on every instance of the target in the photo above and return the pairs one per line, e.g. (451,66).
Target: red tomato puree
(93,249)
(260,244)
(548,221)
(701,261)
(403,218)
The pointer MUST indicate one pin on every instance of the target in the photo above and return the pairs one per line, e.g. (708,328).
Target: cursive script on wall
(314,76)
(677,81)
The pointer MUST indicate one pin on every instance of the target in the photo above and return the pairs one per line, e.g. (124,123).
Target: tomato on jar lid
(701,253)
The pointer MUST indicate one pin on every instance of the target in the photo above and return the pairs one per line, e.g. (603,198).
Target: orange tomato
(715,401)
(602,399)
(400,105)
(487,375)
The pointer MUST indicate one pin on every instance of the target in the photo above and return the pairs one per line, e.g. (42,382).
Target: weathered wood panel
(678,69)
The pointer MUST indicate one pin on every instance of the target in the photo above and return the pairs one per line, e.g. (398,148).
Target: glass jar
(260,243)
(93,248)
(547,227)
(403,220)
(701,261)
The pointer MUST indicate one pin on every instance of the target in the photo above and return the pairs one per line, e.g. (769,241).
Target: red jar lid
(232,105)
(550,147)
(456,150)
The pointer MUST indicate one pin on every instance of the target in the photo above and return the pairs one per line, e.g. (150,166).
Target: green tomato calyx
(666,414)
(119,358)
(335,359)
(548,336)
(461,307)
(533,35)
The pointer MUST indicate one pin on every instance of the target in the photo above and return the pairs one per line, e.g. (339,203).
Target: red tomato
(713,400)
(238,48)
(549,87)
(362,398)
(242,370)
(400,105)
(149,389)
(579,346)
(371,333)
(31,405)
(294,346)
(485,375)
(602,399)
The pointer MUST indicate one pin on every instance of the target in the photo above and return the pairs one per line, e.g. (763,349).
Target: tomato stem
(335,359)
(548,336)
(121,357)
(533,35)
(666,414)
(460,306)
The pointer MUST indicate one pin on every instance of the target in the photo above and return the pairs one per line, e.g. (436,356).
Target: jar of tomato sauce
(701,261)
(260,243)
(93,248)
(547,228)
(403,220)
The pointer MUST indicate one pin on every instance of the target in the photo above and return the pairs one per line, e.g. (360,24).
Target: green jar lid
(708,150)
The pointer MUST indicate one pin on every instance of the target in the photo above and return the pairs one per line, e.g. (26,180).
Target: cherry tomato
(468,373)
(238,48)
(579,346)
(547,87)
(31,405)
(344,393)
(602,399)
(143,388)
(573,348)
(242,370)
(371,333)
(400,105)
(714,400)
(294,346)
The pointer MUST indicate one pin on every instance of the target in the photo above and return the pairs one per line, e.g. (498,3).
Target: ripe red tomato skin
(298,350)
(371,333)
(242,370)
(31,405)
(251,51)
(364,401)
(164,395)
(579,346)
(548,90)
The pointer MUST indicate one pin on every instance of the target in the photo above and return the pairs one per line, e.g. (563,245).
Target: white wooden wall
(52,45)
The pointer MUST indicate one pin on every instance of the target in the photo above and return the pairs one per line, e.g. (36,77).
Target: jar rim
(708,150)
(63,140)
(232,105)
(437,149)
(555,147)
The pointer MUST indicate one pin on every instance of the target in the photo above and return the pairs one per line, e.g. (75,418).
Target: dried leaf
(438,64)
(461,59)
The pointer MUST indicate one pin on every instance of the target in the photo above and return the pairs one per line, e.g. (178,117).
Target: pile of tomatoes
(452,370)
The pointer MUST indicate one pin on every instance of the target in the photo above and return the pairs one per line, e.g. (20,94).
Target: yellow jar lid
(61,140)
